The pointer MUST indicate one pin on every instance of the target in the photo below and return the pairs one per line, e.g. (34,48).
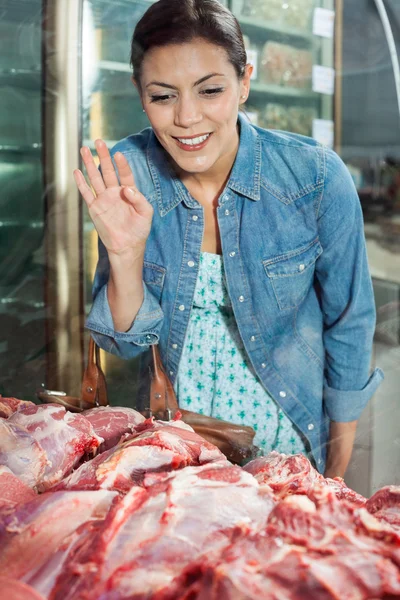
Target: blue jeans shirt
(296,270)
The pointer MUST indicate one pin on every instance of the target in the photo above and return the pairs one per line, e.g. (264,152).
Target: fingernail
(129,191)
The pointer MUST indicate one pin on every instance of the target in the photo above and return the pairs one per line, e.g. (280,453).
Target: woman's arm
(348,307)
(340,447)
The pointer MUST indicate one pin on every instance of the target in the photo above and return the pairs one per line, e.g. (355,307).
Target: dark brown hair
(169,22)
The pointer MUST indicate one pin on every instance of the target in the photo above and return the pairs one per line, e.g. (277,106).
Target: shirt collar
(244,178)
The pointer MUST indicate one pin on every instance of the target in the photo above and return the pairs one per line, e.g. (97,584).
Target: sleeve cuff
(145,328)
(344,406)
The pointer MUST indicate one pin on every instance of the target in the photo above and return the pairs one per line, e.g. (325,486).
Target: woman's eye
(163,98)
(212,91)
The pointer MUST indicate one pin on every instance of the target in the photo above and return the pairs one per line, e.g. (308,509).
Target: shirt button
(148,338)
(253,338)
(263,365)
(310,427)
(301,267)
(195,217)
(241,298)
(232,254)
(174,346)
(319,461)
(182,307)
(226,197)
(227,213)
(190,263)
(282,394)
(171,373)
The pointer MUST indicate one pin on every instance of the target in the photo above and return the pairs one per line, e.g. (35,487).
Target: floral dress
(215,376)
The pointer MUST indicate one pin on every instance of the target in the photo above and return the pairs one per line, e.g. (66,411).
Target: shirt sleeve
(145,329)
(346,294)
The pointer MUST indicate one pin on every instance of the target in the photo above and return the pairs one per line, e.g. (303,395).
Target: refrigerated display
(22,213)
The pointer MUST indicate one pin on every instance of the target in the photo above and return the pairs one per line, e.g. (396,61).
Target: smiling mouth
(193,141)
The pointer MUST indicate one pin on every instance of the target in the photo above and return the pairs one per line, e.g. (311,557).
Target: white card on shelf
(252,58)
(323,80)
(323,131)
(324,22)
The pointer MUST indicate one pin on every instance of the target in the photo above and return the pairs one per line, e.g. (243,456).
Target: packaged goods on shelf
(298,13)
(275,116)
(301,119)
(285,65)
(297,119)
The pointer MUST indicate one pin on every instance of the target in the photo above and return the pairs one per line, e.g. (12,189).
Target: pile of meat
(106,505)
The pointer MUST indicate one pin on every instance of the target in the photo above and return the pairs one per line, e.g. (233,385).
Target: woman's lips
(193,148)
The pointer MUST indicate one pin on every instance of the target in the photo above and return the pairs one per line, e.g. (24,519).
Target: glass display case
(22,210)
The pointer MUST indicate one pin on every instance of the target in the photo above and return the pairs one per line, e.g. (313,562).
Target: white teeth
(194,141)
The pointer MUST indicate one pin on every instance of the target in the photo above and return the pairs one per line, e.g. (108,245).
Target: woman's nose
(188,113)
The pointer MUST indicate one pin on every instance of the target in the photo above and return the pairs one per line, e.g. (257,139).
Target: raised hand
(120,213)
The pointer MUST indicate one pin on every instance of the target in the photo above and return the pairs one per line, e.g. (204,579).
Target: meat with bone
(295,475)
(33,532)
(111,423)
(12,490)
(64,437)
(155,446)
(156,530)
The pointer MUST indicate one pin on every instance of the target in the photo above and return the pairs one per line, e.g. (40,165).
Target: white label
(324,22)
(252,58)
(323,132)
(323,80)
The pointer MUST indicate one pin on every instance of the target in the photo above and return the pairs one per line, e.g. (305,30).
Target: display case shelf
(21,223)
(30,79)
(259,27)
(21,149)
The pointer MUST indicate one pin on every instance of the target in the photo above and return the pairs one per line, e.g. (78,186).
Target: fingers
(107,168)
(124,170)
(83,187)
(138,201)
(94,174)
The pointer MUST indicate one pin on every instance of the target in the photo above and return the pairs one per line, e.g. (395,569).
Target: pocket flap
(294,262)
(153,274)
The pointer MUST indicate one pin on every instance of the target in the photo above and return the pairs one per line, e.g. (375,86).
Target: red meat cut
(9,406)
(295,475)
(155,531)
(155,446)
(63,436)
(111,423)
(34,531)
(12,490)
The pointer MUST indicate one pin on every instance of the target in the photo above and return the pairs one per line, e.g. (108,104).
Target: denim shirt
(296,271)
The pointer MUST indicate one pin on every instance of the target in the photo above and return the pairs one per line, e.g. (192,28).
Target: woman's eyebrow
(172,87)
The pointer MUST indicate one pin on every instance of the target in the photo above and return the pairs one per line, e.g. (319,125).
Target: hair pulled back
(169,22)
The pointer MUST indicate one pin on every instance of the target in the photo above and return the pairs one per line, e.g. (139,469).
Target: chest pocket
(153,277)
(292,274)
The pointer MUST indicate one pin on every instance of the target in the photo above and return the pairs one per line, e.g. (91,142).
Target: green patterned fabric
(215,376)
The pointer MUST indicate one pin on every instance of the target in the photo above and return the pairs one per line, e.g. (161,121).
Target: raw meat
(155,531)
(10,589)
(12,490)
(9,406)
(21,453)
(295,475)
(111,423)
(32,533)
(385,505)
(64,437)
(155,446)
(308,550)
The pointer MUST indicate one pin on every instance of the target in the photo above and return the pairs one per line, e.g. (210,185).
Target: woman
(239,250)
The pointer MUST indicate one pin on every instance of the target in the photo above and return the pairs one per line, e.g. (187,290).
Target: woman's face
(191,94)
